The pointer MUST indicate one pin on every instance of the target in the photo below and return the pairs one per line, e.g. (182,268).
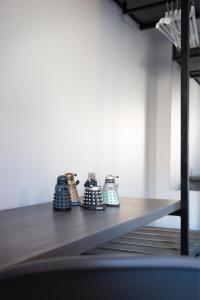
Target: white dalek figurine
(110,191)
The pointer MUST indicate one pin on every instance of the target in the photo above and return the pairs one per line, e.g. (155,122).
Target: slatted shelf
(147,241)
(150,243)
(144,249)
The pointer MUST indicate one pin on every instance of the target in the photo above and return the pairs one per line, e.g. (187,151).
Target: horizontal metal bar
(195,178)
(176,213)
(194,52)
(195,73)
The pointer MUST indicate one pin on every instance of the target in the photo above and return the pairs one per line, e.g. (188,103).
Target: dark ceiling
(148,12)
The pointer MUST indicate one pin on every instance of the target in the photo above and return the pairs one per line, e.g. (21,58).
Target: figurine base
(62,209)
(76,203)
(112,205)
(93,207)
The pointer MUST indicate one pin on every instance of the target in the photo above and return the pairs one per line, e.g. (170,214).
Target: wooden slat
(146,243)
(139,249)
(152,237)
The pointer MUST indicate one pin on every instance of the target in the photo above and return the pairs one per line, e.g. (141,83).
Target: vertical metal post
(185,31)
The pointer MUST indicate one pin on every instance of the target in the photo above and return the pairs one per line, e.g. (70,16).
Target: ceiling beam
(147,6)
(123,6)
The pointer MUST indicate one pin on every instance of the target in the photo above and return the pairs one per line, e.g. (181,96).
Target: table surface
(38,230)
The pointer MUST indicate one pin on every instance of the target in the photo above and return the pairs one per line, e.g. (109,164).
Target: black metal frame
(129,12)
(195,52)
(145,7)
(185,11)
(185,73)
(182,57)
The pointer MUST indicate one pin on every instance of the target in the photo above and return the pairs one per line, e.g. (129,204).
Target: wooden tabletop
(38,231)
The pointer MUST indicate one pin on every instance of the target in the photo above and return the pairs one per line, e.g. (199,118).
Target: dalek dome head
(110,178)
(92,175)
(61,179)
(70,176)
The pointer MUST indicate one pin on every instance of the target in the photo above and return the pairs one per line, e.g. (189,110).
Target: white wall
(168,135)
(194,132)
(162,116)
(77,83)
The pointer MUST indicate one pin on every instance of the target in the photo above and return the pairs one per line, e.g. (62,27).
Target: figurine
(72,186)
(110,191)
(91,181)
(62,200)
(93,198)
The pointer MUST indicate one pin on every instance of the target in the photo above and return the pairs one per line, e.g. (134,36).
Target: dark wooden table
(38,231)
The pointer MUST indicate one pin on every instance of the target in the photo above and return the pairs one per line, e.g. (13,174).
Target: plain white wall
(162,116)
(194,132)
(77,83)
(167,131)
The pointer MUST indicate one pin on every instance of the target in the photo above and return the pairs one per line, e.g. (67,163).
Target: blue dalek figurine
(62,199)
(93,198)
(110,191)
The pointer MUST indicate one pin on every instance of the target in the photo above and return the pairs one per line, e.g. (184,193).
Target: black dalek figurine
(92,199)
(62,200)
